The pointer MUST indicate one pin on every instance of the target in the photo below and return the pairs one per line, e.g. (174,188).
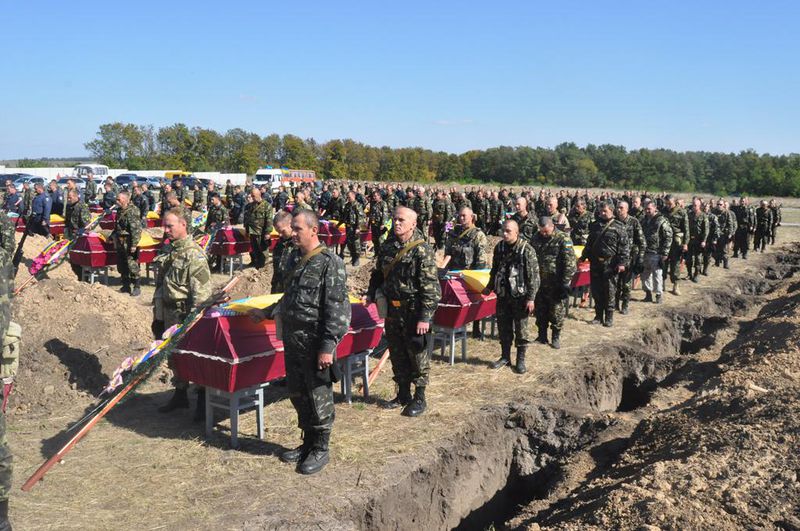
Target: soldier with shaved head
(126,235)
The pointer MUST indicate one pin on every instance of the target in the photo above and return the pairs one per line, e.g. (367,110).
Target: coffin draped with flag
(94,249)
(462,301)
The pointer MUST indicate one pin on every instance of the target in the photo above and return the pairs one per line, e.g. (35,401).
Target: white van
(268,177)
(283,176)
(100,171)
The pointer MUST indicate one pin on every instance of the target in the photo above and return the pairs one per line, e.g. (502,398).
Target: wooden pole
(376,371)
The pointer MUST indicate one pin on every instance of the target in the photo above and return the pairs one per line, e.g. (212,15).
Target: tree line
(178,146)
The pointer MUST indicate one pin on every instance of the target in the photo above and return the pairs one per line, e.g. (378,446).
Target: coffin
(230,242)
(330,235)
(581,277)
(153,220)
(461,303)
(92,250)
(109,221)
(56,224)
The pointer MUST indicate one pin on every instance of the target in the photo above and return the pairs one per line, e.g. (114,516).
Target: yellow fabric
(152,215)
(260,302)
(476,279)
(578,250)
(334,223)
(55,218)
(147,240)
(274,233)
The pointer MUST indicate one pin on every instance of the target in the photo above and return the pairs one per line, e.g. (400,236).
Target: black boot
(403,397)
(505,356)
(476,331)
(418,405)
(725,263)
(542,337)
(705,270)
(200,406)
(298,454)
(609,322)
(520,368)
(5,525)
(598,316)
(648,296)
(658,299)
(556,340)
(356,261)
(318,456)
(126,287)
(624,309)
(136,291)
(179,400)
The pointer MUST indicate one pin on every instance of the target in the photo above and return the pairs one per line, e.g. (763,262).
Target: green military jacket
(280,263)
(422,206)
(515,271)
(258,218)
(217,216)
(679,221)
(183,281)
(698,227)
(527,226)
(607,245)
(579,226)
(636,240)
(556,257)
(727,223)
(657,234)
(90,192)
(76,219)
(353,215)
(443,211)
(7,241)
(466,248)
(128,232)
(378,214)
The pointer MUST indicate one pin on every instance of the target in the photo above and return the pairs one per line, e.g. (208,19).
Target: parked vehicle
(80,183)
(100,171)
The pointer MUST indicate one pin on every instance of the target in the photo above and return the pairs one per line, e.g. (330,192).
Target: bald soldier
(526,225)
(258,224)
(125,236)
(405,273)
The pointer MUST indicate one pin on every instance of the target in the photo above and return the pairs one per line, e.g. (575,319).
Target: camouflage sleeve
(665,241)
(495,266)
(704,229)
(135,226)
(268,215)
(532,268)
(335,311)
(623,255)
(685,227)
(568,260)
(85,217)
(7,235)
(481,243)
(638,240)
(732,223)
(428,289)
(199,278)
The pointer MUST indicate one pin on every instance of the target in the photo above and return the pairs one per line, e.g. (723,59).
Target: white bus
(100,171)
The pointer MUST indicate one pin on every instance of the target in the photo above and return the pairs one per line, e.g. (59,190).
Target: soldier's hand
(620,268)
(324,360)
(702,245)
(422,327)
(529,307)
(685,248)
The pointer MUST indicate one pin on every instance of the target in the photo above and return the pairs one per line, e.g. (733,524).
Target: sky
(444,75)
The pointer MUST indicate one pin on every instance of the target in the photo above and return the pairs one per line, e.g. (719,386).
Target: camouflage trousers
(411,362)
(673,265)
(310,390)
(694,259)
(761,240)
(551,307)
(439,233)
(353,242)
(624,285)
(513,321)
(604,288)
(5,461)
(258,251)
(741,242)
(721,250)
(128,266)
(773,234)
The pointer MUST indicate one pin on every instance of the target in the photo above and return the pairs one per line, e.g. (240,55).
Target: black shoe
(200,406)
(556,340)
(658,299)
(318,456)
(695,279)
(357,262)
(505,357)
(402,399)
(609,321)
(542,337)
(126,288)
(624,310)
(520,367)
(179,400)
(648,296)
(295,455)
(418,405)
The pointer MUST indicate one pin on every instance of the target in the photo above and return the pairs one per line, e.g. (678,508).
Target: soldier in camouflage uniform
(217,214)
(579,221)
(90,191)
(713,237)
(698,234)
(282,251)
(776,220)
(442,213)
(405,273)
(353,218)
(315,315)
(745,224)
(679,221)
(76,219)
(126,237)
(27,199)
(180,191)
(727,228)
(636,263)
(258,225)
(183,282)
(608,252)
(495,214)
(6,287)
(763,227)
(525,221)
(515,280)
(658,241)
(422,206)
(481,209)
(556,258)
(379,216)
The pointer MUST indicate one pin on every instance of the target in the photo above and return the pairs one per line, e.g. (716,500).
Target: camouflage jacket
(76,219)
(335,208)
(636,239)
(527,226)
(128,231)
(776,215)
(258,218)
(183,280)
(727,223)
(391,201)
(7,241)
(353,215)
(442,211)
(481,209)
(580,227)
(657,234)
(180,193)
(713,228)
(495,211)
(679,221)
(745,217)
(764,219)
(698,227)
(378,214)
(414,278)
(6,271)
(27,201)
(198,199)
(607,245)
(556,257)
(316,297)
(90,192)
(466,248)
(422,206)
(515,271)
(217,216)
(280,263)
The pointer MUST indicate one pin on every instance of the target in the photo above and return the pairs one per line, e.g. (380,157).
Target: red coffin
(459,306)
(330,234)
(366,235)
(55,228)
(147,254)
(153,223)
(95,209)
(91,251)
(229,242)
(231,352)
(581,277)
(109,221)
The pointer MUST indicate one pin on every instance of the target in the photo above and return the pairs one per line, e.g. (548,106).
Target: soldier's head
(90,176)
(335,192)
(552,206)
(11,189)
(521,204)
(215,199)
(466,217)
(283,224)
(405,221)
(351,197)
(107,186)
(305,229)
(763,203)
(745,201)
(637,201)
(70,184)
(211,186)
(137,190)
(376,196)
(580,206)
(697,205)
(510,231)
(255,194)
(123,198)
(772,203)
(172,199)
(53,185)
(650,209)
(622,209)
(670,201)
(72,196)
(721,204)
(606,210)
(176,226)
(546,227)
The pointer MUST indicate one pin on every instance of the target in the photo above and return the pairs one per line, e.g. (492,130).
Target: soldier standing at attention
(126,237)
(579,220)
(379,215)
(776,220)
(727,229)
(557,263)
(217,213)
(679,221)
(183,282)
(77,217)
(90,192)
(405,272)
(713,237)
(282,251)
(608,252)
(258,224)
(763,227)
(315,312)
(442,213)
(658,241)
(525,223)
(515,280)
(634,266)
(745,221)
(353,218)
(698,234)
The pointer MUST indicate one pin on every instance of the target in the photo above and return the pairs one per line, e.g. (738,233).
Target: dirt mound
(68,352)
(254,282)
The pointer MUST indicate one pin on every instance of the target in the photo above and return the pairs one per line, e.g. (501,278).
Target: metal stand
(233,404)
(447,337)
(355,365)
(229,263)
(491,322)
(90,274)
